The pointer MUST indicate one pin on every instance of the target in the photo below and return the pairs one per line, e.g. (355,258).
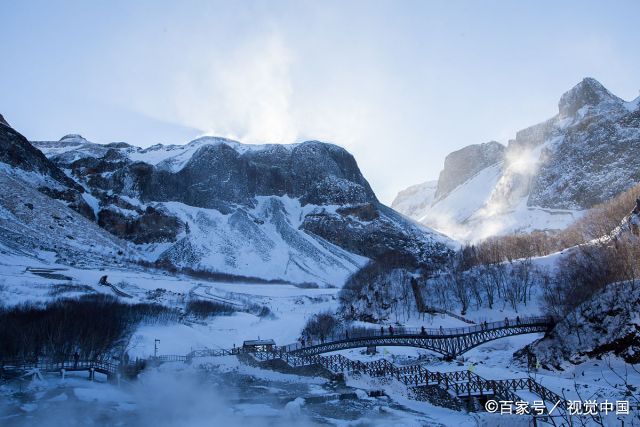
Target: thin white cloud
(245,95)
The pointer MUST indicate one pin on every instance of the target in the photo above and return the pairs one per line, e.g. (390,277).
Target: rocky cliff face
(463,164)
(300,212)
(16,151)
(550,172)
(44,213)
(594,157)
(19,154)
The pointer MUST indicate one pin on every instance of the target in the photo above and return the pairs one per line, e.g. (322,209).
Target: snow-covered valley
(227,389)
(267,285)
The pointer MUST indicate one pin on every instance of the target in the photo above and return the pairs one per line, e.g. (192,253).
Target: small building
(258,345)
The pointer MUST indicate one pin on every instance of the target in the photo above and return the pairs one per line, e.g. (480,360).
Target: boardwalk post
(91,374)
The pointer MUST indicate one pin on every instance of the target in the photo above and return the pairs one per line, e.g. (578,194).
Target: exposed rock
(152,226)
(606,324)
(3,121)
(588,93)
(552,171)
(73,199)
(219,176)
(594,160)
(378,238)
(300,212)
(364,212)
(16,151)
(461,165)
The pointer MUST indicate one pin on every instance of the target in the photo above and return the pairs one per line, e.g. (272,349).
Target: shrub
(96,326)
(321,325)
(260,310)
(205,308)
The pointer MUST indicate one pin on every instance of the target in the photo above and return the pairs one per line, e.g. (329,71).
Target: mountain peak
(73,137)
(589,92)
(3,121)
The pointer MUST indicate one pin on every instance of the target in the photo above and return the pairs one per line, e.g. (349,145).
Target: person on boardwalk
(441,330)
(76,358)
(518,320)
(381,330)
(423,331)
(506,321)
(390,330)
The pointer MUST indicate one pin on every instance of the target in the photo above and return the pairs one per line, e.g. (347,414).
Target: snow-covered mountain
(44,214)
(545,177)
(300,212)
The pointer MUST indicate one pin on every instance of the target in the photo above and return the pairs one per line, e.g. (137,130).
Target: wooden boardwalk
(462,384)
(111,370)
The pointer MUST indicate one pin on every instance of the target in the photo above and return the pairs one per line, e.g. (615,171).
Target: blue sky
(398,83)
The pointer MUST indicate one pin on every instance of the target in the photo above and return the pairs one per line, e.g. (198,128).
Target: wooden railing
(461,383)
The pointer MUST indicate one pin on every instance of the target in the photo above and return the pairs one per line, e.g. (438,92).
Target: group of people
(382,330)
(506,321)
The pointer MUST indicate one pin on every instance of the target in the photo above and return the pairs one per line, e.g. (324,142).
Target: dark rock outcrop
(3,121)
(219,176)
(16,151)
(377,236)
(152,226)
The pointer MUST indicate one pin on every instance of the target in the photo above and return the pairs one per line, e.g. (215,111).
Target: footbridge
(450,342)
(111,370)
(461,384)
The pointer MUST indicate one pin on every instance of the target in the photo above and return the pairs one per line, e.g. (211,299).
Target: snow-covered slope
(300,212)
(36,226)
(44,214)
(414,200)
(546,177)
(607,324)
(263,241)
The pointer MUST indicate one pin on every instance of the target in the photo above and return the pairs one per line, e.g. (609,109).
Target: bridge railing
(353,334)
(45,364)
